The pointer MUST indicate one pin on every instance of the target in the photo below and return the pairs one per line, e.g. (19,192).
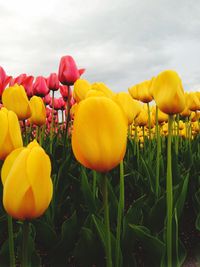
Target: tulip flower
(40,87)
(47,99)
(14,98)
(18,80)
(38,111)
(141,92)
(130,106)
(193,102)
(53,82)
(25,81)
(99,86)
(4,80)
(10,137)
(68,71)
(93,92)
(168,92)
(142,118)
(27,185)
(64,90)
(99,134)
(81,87)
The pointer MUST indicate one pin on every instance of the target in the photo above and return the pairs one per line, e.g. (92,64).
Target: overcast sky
(119,42)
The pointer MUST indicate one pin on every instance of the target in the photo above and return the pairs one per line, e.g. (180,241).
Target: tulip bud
(14,98)
(130,107)
(10,137)
(99,134)
(193,101)
(38,111)
(40,87)
(27,185)
(99,86)
(81,87)
(4,80)
(68,71)
(142,118)
(53,82)
(141,91)
(168,92)
(64,90)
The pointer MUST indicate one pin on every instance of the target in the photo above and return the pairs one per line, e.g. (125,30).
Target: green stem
(11,241)
(177,135)
(169,194)
(94,183)
(25,261)
(149,126)
(120,214)
(52,124)
(107,223)
(25,133)
(157,155)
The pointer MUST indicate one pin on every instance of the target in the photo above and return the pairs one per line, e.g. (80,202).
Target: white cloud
(118,42)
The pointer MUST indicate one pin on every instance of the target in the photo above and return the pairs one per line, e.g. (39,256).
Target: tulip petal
(16,138)
(38,171)
(16,185)
(8,163)
(4,129)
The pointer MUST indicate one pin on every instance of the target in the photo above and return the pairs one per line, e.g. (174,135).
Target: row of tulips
(103,129)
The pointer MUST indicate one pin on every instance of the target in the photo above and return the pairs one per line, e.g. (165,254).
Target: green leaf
(88,251)
(87,192)
(154,248)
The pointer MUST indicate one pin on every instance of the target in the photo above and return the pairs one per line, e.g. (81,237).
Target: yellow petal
(16,185)
(38,171)
(8,163)
(14,130)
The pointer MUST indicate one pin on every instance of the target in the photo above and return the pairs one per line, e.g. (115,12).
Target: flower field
(94,178)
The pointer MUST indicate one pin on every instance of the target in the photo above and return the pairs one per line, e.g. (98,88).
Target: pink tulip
(28,85)
(18,80)
(4,80)
(68,71)
(53,82)
(40,87)
(47,99)
(64,90)
(62,103)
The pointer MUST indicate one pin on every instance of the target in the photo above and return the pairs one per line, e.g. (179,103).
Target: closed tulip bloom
(99,86)
(142,118)
(99,134)
(10,133)
(27,185)
(193,101)
(68,72)
(40,87)
(168,92)
(38,111)
(141,91)
(4,80)
(81,87)
(130,107)
(53,82)
(64,91)
(92,93)
(186,111)
(14,98)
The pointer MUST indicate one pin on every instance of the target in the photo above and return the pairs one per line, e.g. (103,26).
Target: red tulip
(18,79)
(53,82)
(62,103)
(68,71)
(40,87)
(56,104)
(28,85)
(64,90)
(4,80)
(47,99)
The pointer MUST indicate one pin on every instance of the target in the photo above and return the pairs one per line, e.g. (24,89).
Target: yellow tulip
(168,92)
(142,118)
(14,98)
(130,107)
(162,117)
(93,92)
(99,86)
(81,87)
(141,91)
(10,133)
(38,111)
(186,112)
(27,186)
(99,134)
(193,101)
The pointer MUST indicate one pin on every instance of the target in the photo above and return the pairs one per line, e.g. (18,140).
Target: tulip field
(91,177)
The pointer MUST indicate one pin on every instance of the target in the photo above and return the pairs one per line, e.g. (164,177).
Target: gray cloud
(119,42)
